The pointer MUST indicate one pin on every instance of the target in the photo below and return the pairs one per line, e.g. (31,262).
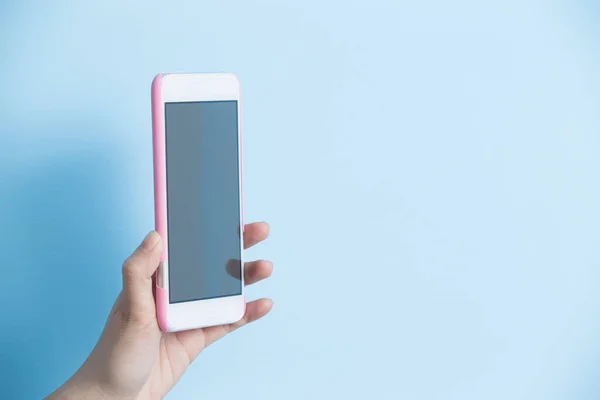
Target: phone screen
(203,195)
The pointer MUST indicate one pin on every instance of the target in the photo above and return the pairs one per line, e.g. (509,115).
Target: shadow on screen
(62,252)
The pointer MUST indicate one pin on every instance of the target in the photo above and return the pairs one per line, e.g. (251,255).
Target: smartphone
(198,200)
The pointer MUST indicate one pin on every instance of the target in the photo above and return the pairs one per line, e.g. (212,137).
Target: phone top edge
(183,87)
(199,74)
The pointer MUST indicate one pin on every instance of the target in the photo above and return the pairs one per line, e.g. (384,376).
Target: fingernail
(150,241)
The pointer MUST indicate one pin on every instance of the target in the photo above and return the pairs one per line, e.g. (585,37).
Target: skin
(133,359)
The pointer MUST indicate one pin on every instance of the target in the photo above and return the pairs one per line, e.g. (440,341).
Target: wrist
(78,389)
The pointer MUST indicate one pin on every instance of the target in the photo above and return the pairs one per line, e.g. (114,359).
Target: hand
(133,359)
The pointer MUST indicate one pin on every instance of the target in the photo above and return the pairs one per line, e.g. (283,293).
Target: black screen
(203,211)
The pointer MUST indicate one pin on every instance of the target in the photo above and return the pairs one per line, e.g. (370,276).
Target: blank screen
(203,212)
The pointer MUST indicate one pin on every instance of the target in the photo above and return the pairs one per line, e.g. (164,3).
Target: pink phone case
(160,190)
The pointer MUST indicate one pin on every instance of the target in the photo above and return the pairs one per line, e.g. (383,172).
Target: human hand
(133,359)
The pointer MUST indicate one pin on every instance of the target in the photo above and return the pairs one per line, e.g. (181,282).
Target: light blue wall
(429,169)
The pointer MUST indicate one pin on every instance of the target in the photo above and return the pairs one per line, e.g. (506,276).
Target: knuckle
(130,268)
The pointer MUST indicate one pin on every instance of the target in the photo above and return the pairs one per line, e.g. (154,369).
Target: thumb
(137,274)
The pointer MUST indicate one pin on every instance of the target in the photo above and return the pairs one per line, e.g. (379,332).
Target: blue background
(429,170)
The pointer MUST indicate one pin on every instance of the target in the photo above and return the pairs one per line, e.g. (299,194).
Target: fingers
(254,271)
(137,273)
(255,233)
(194,341)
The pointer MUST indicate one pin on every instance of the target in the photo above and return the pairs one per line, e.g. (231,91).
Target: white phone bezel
(223,310)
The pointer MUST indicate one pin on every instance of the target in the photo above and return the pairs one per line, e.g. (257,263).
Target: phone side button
(159,276)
